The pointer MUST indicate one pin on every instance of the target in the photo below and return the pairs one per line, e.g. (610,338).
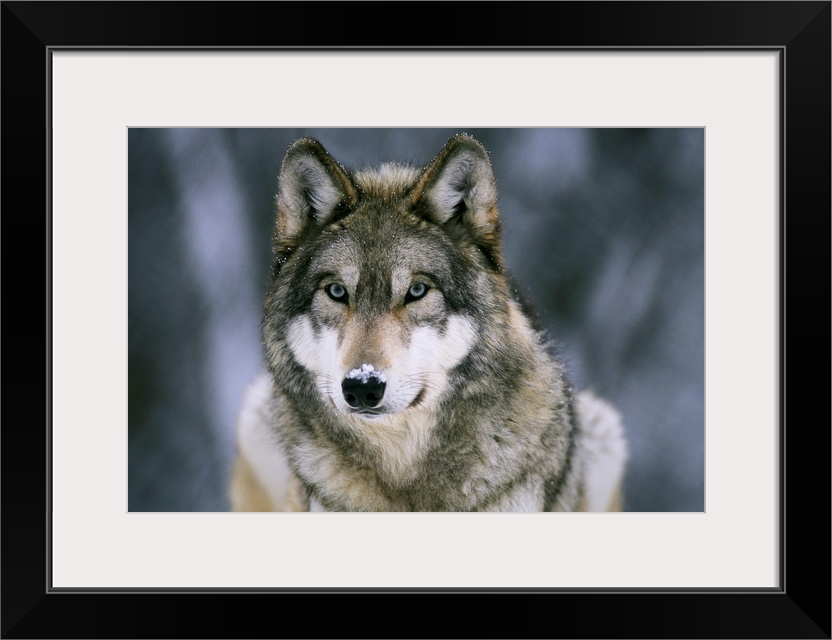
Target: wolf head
(382,280)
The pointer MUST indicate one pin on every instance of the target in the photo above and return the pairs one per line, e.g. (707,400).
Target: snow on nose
(363,388)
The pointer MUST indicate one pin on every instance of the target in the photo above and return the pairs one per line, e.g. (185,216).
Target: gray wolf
(403,375)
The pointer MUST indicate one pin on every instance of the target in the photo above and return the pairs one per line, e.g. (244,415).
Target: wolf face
(380,276)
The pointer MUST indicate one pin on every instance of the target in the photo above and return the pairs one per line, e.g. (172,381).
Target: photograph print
(441,320)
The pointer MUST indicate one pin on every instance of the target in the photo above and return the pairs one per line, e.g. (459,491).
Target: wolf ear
(458,191)
(311,188)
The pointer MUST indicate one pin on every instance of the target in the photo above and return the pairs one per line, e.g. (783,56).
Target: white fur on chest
(398,443)
(400,440)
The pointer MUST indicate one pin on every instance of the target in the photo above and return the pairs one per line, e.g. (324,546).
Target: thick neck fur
(430,458)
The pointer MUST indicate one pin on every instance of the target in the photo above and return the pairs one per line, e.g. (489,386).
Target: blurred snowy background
(603,229)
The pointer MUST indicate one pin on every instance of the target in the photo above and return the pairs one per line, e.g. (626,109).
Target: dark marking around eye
(336,291)
(417,291)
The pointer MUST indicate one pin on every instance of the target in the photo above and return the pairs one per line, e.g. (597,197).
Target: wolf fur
(402,373)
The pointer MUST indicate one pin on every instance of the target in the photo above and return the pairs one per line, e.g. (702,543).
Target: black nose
(363,392)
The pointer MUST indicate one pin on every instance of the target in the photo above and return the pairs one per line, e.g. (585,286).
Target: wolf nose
(363,392)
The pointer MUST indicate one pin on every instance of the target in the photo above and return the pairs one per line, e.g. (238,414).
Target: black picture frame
(799,608)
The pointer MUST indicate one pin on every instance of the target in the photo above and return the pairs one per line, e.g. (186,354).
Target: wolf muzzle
(363,388)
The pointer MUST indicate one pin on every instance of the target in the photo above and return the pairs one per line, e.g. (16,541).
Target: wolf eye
(337,292)
(417,290)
